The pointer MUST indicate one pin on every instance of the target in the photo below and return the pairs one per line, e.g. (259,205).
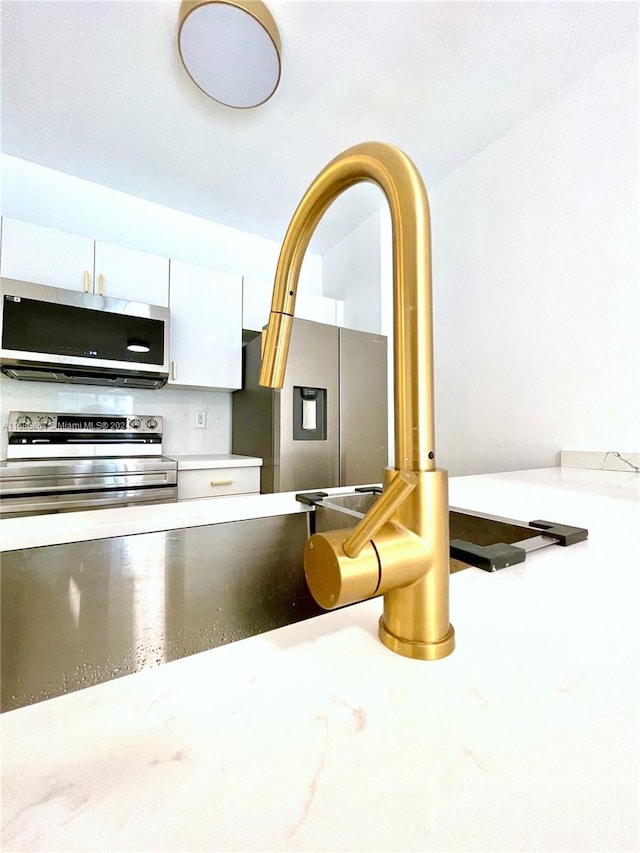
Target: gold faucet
(400,549)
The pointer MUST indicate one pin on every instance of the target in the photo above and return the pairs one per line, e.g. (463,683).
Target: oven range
(60,462)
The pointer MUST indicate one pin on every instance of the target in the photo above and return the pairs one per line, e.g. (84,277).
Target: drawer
(215,482)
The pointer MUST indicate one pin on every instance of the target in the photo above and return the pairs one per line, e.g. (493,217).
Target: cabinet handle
(222,482)
(86,281)
(174,370)
(100,284)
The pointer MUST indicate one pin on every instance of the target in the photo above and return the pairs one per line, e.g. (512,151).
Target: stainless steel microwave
(54,335)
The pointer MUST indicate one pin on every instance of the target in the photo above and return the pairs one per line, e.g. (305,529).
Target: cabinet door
(256,303)
(124,273)
(320,309)
(46,256)
(206,327)
(217,482)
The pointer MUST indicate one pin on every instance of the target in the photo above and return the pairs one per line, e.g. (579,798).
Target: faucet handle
(382,510)
(335,578)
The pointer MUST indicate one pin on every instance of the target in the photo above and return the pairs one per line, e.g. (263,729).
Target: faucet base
(416,649)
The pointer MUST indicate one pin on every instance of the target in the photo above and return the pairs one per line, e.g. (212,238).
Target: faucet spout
(400,181)
(408,556)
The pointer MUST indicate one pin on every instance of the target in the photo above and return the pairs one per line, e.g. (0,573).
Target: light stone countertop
(56,528)
(316,737)
(194,461)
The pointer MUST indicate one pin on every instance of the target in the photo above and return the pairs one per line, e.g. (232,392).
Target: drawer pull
(222,482)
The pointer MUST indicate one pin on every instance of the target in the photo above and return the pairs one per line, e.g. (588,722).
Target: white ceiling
(95,88)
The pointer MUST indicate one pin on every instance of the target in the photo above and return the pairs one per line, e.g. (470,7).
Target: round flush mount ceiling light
(231,50)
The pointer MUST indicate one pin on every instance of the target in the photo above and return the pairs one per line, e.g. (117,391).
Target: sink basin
(485,541)
(81,613)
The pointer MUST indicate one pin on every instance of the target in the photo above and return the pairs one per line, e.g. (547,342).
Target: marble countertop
(316,737)
(193,461)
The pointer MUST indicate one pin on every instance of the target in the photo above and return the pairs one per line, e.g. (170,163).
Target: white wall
(536,283)
(351,272)
(43,196)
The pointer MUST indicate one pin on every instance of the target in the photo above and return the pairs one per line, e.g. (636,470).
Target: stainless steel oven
(61,462)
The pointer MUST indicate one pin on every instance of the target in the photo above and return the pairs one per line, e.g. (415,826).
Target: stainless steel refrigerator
(327,426)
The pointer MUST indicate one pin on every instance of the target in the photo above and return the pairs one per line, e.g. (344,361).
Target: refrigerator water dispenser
(309,414)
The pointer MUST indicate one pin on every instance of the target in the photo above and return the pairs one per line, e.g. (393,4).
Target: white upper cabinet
(256,305)
(321,309)
(206,327)
(45,255)
(60,259)
(124,273)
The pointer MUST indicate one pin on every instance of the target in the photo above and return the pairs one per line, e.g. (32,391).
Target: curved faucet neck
(400,181)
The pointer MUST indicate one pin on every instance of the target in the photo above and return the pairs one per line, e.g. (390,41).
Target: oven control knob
(45,422)
(134,423)
(152,423)
(24,422)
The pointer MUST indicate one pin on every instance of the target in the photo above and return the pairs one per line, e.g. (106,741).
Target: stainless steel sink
(82,613)
(485,541)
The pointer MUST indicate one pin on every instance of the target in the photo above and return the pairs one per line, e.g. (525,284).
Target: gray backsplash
(177,407)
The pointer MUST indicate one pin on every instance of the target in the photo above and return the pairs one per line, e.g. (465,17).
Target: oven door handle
(94,441)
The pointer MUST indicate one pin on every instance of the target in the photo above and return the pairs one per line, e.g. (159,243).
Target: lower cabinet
(206,327)
(217,482)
